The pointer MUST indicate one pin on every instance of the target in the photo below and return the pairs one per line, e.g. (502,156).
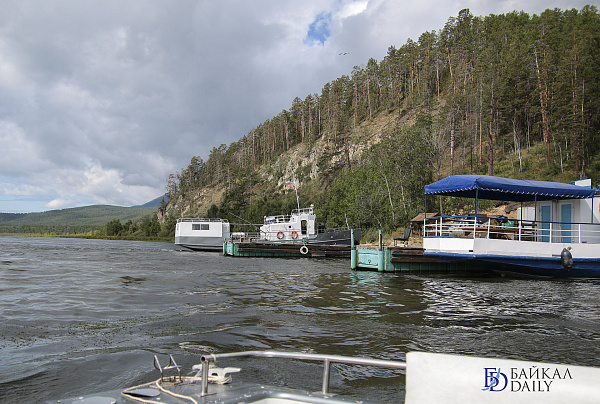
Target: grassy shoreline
(91,237)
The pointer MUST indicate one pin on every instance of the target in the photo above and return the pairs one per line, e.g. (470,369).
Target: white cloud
(102,100)
(353,8)
(17,190)
(58,204)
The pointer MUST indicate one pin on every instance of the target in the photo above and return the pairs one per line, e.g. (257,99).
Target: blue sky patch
(318,30)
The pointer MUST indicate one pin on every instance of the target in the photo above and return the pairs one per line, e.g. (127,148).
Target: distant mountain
(94,215)
(154,203)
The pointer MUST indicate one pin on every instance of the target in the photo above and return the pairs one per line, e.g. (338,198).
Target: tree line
(148,226)
(487,91)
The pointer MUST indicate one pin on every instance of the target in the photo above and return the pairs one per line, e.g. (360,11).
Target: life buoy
(280,235)
(294,235)
(304,250)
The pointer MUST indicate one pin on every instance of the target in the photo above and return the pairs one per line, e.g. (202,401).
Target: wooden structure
(417,222)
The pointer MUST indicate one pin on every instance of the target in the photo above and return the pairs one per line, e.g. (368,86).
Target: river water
(84,316)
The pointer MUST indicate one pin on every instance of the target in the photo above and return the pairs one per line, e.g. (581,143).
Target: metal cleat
(215,374)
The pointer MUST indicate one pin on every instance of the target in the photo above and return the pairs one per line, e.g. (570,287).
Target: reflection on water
(102,309)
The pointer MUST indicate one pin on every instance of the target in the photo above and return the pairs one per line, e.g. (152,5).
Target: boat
(430,378)
(300,227)
(202,234)
(556,235)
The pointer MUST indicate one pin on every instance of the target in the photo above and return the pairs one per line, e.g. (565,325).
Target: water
(84,316)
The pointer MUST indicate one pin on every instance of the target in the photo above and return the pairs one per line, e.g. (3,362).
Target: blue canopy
(505,189)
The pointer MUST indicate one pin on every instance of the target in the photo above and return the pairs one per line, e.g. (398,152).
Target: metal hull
(337,237)
(529,258)
(544,267)
(200,243)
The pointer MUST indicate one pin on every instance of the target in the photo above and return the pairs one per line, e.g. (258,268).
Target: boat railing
(512,229)
(242,236)
(287,218)
(307,211)
(277,219)
(295,233)
(208,360)
(201,219)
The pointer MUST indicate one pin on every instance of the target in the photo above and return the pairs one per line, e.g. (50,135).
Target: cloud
(102,100)
(102,185)
(353,8)
(58,204)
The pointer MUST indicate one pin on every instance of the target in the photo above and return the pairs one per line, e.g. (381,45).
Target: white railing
(242,236)
(511,229)
(287,218)
(327,360)
(200,219)
(277,219)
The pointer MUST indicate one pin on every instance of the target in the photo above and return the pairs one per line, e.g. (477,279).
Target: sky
(100,100)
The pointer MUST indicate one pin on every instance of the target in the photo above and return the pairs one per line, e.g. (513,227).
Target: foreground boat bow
(430,378)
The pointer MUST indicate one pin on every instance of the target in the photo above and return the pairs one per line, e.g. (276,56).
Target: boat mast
(296,189)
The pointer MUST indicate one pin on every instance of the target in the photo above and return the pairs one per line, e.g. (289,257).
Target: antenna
(296,189)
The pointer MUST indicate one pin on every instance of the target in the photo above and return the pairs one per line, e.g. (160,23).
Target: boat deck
(287,250)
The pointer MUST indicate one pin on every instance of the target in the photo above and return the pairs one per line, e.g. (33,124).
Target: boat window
(303,227)
(200,226)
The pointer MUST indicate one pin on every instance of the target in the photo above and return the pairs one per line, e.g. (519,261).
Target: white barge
(202,234)
(559,236)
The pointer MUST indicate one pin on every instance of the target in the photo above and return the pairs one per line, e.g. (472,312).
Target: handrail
(326,359)
(287,218)
(511,228)
(201,219)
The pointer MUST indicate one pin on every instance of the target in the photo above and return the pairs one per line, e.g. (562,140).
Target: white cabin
(567,220)
(201,233)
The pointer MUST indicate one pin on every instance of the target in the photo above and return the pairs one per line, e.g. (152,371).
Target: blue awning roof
(505,189)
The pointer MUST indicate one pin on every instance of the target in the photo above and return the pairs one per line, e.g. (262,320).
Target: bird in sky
(344,53)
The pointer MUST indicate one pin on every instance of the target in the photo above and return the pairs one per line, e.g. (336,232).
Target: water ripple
(84,305)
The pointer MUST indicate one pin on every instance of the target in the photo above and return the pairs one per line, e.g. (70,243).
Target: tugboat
(300,226)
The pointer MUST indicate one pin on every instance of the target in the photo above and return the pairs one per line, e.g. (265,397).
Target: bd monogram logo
(494,380)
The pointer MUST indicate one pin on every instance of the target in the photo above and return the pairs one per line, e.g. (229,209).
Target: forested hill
(71,220)
(512,95)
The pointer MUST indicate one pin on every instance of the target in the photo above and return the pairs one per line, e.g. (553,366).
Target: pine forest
(511,95)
